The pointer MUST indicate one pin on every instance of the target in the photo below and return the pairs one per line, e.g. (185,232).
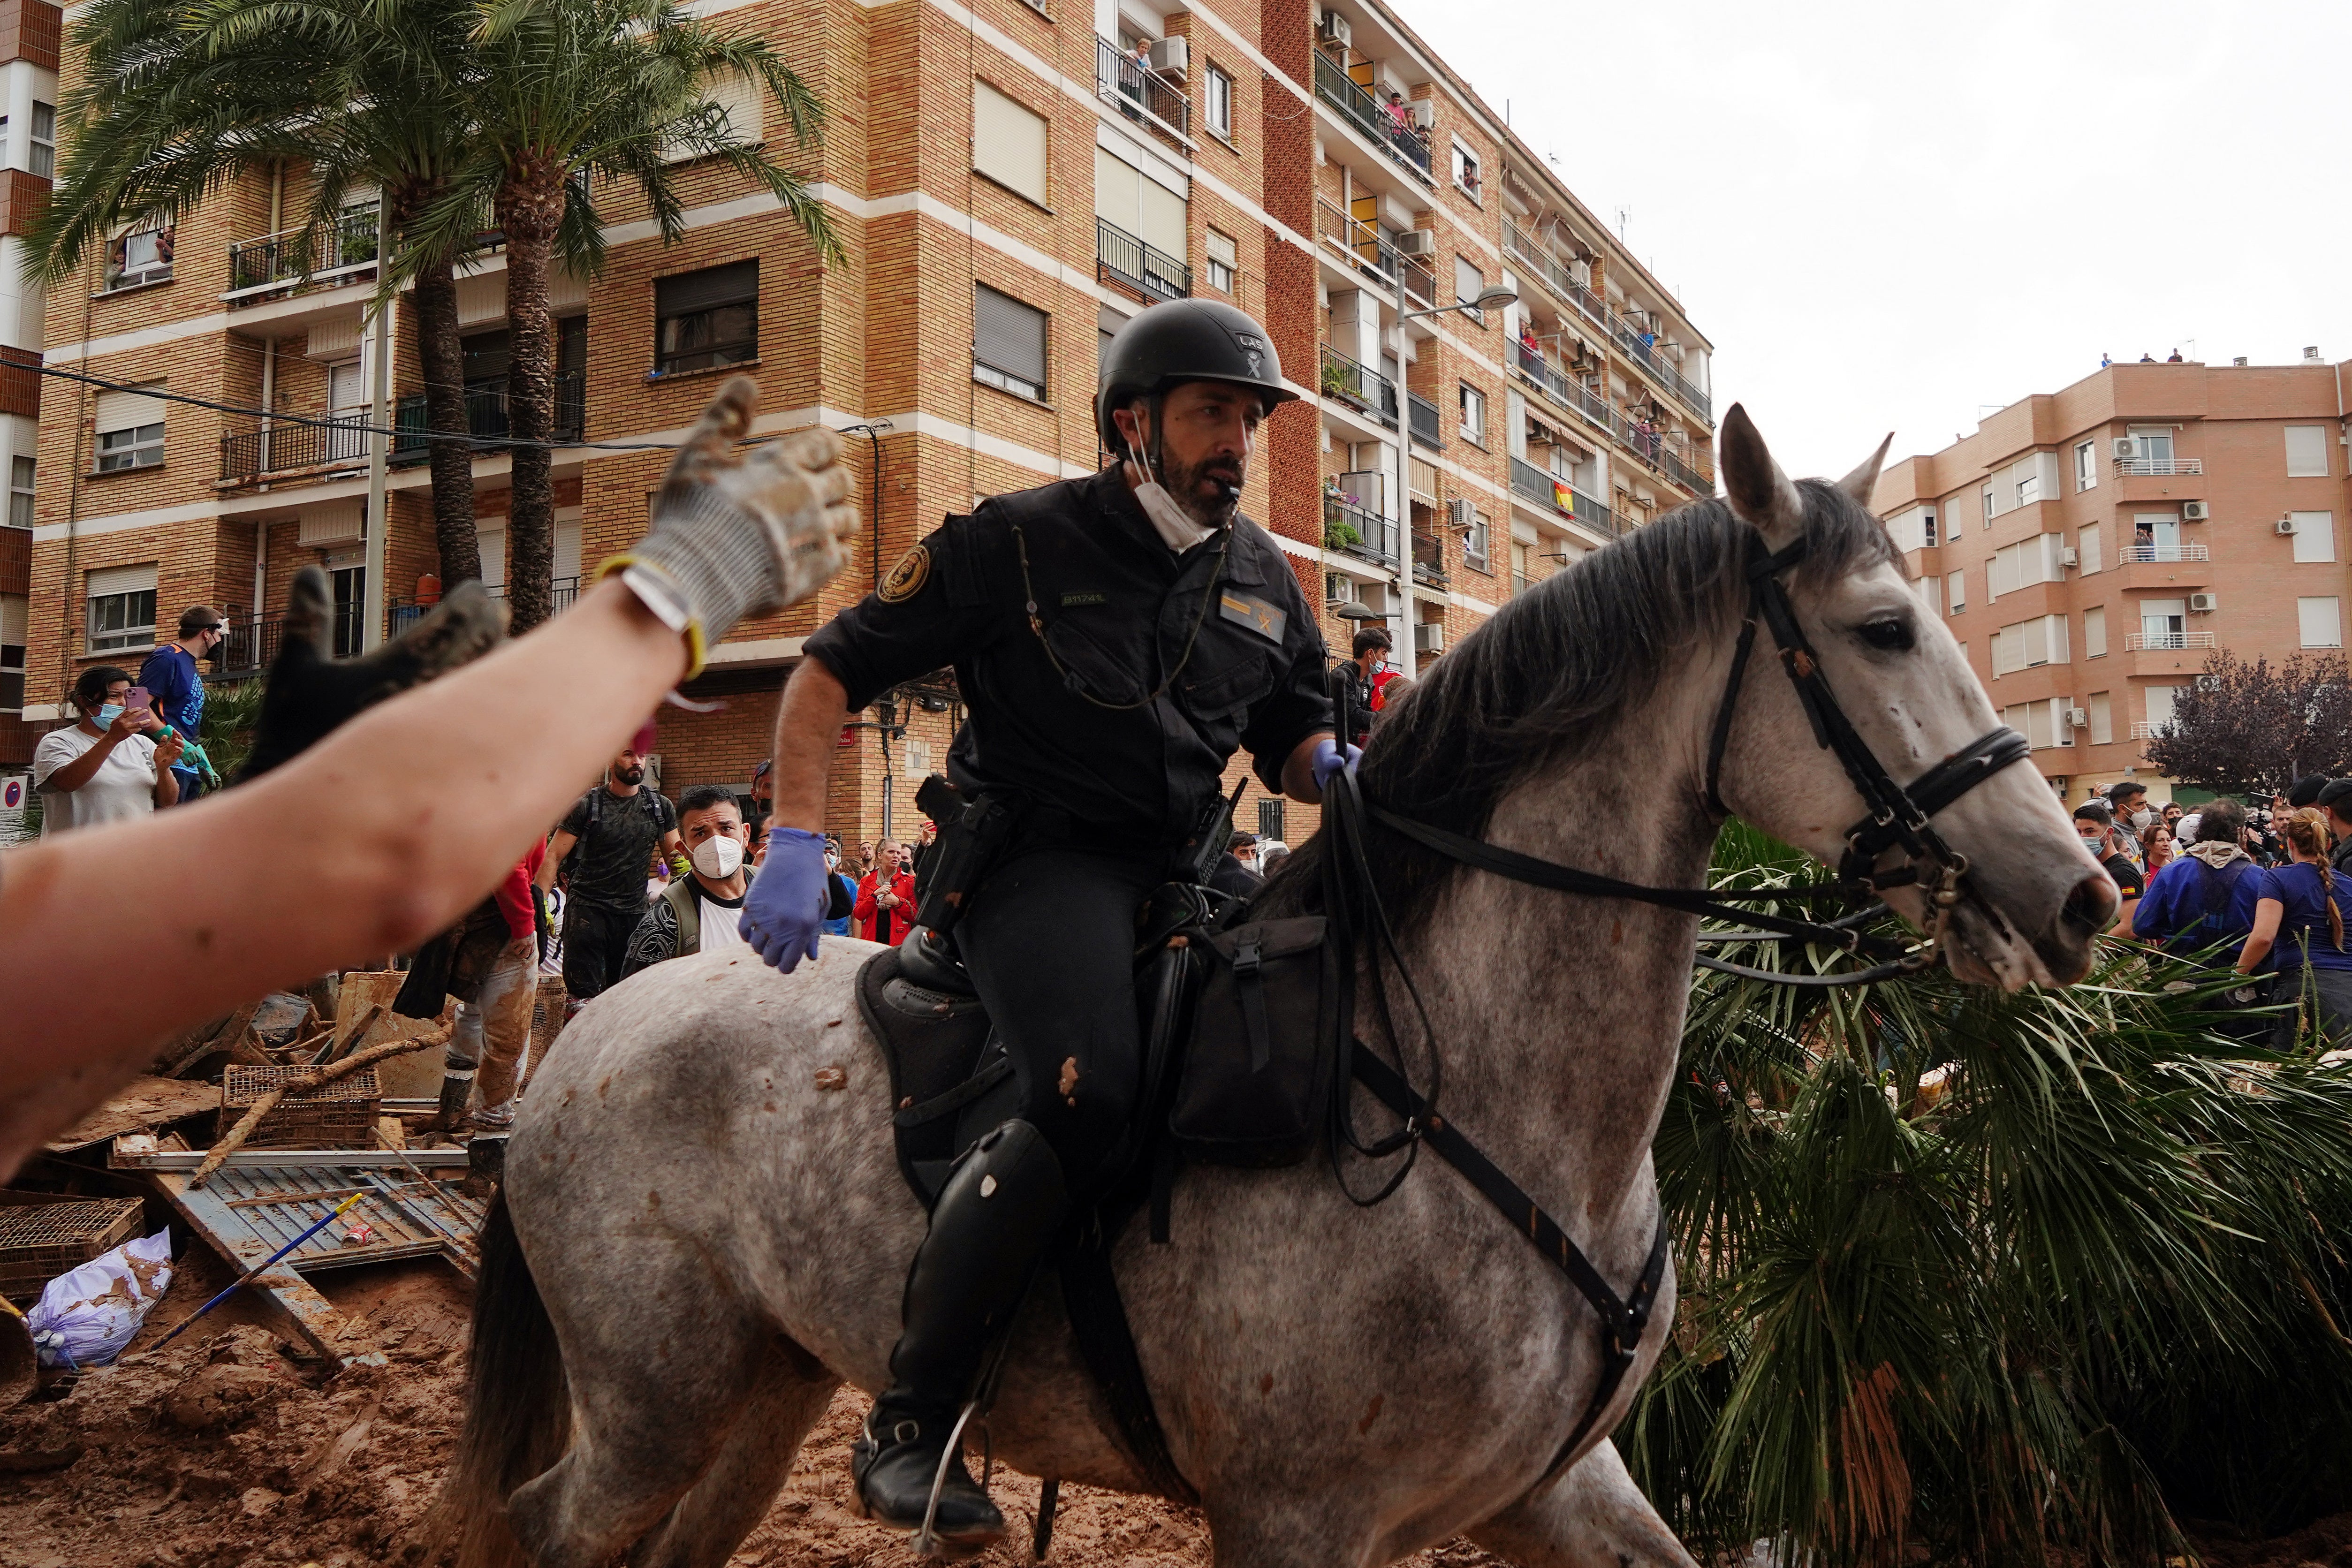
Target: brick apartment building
(2091,547)
(1011,181)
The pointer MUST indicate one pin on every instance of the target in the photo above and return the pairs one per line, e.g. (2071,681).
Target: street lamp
(1488,299)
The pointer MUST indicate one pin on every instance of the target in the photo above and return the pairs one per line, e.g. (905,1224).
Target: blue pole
(258,1269)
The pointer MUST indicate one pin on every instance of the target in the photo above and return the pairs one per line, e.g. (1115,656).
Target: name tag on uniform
(1254,614)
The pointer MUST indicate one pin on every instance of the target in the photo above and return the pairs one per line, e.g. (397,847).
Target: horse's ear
(1760,493)
(1863,480)
(310,604)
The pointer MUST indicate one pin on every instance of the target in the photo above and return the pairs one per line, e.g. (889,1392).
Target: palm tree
(183,96)
(565,93)
(2002,1277)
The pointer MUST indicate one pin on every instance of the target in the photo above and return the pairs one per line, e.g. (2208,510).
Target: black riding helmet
(1185,340)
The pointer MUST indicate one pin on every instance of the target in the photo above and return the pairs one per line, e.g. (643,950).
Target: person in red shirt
(490,962)
(885,899)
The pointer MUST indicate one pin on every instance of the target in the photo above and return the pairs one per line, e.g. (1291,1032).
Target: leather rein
(1898,819)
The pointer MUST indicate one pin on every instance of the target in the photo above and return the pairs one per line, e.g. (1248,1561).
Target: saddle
(1237,1015)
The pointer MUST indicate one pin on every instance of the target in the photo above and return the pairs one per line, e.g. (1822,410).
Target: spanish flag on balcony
(1563,497)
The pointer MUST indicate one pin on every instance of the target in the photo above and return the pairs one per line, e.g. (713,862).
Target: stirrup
(925,1544)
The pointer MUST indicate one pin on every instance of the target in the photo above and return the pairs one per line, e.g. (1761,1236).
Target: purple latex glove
(1328,761)
(784,912)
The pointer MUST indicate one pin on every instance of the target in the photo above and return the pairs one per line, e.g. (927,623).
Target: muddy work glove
(740,531)
(784,912)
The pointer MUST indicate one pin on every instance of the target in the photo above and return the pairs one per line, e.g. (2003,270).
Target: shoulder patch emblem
(907,578)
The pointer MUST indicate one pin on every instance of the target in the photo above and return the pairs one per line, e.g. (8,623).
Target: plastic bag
(87,1316)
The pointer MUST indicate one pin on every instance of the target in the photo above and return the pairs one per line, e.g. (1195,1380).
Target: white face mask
(1171,522)
(2142,818)
(718,858)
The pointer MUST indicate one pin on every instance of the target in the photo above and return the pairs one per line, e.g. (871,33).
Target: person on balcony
(1529,346)
(1398,113)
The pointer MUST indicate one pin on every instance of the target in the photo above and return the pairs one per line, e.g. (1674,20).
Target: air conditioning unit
(2195,512)
(1172,55)
(1416,242)
(1581,271)
(1460,512)
(2204,603)
(1338,588)
(1422,113)
(2124,448)
(1429,637)
(2283,527)
(2078,719)
(1334,27)
(2066,558)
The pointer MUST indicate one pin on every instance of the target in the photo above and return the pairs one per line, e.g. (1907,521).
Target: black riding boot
(998,1211)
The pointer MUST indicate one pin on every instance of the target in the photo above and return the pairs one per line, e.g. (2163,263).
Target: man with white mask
(701,910)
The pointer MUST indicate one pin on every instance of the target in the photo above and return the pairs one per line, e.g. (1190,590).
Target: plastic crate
(338,1115)
(43,1237)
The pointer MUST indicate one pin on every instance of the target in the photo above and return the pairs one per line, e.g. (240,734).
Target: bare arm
(1298,770)
(2268,912)
(808,726)
(556,850)
(383,865)
(83,769)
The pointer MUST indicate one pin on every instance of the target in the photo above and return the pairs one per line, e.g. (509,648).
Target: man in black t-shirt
(603,848)
(2095,825)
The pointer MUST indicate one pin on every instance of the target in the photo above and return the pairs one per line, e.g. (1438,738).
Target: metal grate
(40,1240)
(338,1115)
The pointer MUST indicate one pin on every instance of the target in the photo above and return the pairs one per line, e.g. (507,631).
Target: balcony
(2141,555)
(2160,642)
(1351,383)
(290,448)
(253,641)
(1122,259)
(1418,281)
(2142,730)
(1429,559)
(1407,144)
(1359,532)
(1553,273)
(1532,366)
(1141,93)
(1359,241)
(1548,489)
(1683,473)
(486,415)
(336,254)
(1640,349)
(1427,429)
(564,592)
(2157,467)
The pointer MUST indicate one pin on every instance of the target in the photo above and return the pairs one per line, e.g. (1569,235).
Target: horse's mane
(1557,666)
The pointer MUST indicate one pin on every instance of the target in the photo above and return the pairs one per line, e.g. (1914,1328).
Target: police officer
(1115,639)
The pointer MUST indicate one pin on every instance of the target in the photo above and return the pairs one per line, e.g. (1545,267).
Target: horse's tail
(518,1404)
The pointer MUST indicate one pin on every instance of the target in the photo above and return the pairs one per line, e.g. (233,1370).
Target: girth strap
(1623,1321)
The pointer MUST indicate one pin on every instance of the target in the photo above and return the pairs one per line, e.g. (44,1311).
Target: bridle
(1897,818)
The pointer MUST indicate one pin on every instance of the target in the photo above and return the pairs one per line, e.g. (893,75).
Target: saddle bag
(1255,1083)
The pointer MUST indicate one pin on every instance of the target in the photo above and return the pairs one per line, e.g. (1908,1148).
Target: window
(2163,622)
(129,431)
(2029,489)
(1474,542)
(44,141)
(144,256)
(2102,715)
(2159,705)
(20,492)
(1468,284)
(1145,214)
(2314,535)
(1474,415)
(2023,564)
(1956,590)
(2321,621)
(2306,452)
(122,608)
(1466,171)
(1221,256)
(1008,143)
(708,318)
(1518,570)
(1928,528)
(736,97)
(2154,446)
(1931,593)
(2028,645)
(1217,102)
(1912,528)
(2086,465)
(2088,550)
(2094,631)
(1986,496)
(1008,343)
(2042,723)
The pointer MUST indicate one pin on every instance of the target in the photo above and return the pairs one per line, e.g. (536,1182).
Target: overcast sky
(1891,215)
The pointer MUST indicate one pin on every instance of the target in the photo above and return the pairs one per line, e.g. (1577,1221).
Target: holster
(972,833)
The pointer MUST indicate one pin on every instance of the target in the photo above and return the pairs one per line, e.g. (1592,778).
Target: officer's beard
(1209,491)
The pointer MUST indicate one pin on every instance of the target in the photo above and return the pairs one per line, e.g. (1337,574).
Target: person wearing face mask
(114,766)
(1364,675)
(2127,802)
(698,913)
(842,908)
(1116,640)
(2096,828)
(171,674)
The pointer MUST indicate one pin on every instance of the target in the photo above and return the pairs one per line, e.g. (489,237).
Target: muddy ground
(218,1452)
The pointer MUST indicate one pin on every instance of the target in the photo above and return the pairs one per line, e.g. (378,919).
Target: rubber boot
(456,1088)
(993,1219)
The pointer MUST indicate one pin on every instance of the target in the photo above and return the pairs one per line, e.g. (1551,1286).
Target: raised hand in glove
(783,913)
(740,531)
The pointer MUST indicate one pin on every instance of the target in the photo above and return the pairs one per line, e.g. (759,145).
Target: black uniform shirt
(1116,607)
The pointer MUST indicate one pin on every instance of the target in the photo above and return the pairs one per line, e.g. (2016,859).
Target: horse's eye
(1892,636)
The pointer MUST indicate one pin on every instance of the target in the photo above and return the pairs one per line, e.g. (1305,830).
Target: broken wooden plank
(141,1106)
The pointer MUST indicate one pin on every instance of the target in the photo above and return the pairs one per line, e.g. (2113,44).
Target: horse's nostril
(2092,904)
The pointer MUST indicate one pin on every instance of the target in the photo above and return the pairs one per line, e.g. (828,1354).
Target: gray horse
(715,1237)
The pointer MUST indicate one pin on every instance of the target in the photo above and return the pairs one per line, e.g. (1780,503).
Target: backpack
(2217,889)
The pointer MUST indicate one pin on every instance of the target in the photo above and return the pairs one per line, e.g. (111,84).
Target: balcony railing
(2142,730)
(1419,280)
(1359,241)
(1532,365)
(2140,555)
(1552,272)
(1429,559)
(1408,144)
(1548,489)
(486,415)
(283,448)
(1375,537)
(563,593)
(1140,92)
(1683,473)
(1427,428)
(1646,355)
(252,642)
(1365,389)
(1121,257)
(2157,467)
(2161,642)
(337,251)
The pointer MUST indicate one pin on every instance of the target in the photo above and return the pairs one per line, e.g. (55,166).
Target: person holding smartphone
(108,767)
